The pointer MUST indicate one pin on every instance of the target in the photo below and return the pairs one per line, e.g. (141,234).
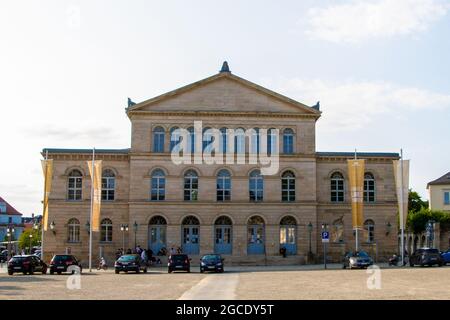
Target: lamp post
(324,228)
(388,228)
(88,227)
(123,228)
(9,232)
(135,229)
(430,233)
(52,227)
(310,229)
(31,239)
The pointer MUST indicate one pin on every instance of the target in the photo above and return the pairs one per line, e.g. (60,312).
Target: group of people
(146,254)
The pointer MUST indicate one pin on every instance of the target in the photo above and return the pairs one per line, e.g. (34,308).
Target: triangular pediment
(223,92)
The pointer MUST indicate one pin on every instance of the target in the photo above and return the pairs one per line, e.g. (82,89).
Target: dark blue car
(446,256)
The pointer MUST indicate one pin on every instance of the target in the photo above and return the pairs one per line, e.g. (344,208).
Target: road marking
(213,287)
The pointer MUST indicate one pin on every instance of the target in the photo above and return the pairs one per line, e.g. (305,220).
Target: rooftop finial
(225,67)
(130,103)
(316,106)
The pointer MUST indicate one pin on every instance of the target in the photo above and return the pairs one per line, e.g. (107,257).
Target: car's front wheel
(10,273)
(145,270)
(169,271)
(201,270)
(117,271)
(31,271)
(44,270)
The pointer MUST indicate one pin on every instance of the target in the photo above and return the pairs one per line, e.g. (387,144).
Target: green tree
(24,239)
(417,221)
(415,202)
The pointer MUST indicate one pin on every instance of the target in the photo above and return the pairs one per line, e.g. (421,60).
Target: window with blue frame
(2,207)
(175,138)
(288,141)
(158,139)
(446,197)
(223,140)
(272,140)
(158,192)
(223,185)
(191,140)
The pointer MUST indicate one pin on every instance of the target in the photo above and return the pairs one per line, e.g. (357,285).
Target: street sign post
(325,240)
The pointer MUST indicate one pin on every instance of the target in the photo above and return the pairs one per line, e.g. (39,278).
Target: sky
(380,69)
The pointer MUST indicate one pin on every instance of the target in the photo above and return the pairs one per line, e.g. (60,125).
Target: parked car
(4,256)
(426,256)
(61,262)
(358,259)
(130,262)
(445,256)
(179,262)
(26,264)
(211,262)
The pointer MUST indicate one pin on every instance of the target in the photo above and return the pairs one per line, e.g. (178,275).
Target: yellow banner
(47,168)
(96,180)
(356,180)
(402,188)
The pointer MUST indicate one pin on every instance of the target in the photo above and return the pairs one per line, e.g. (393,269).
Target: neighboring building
(229,209)
(439,192)
(31,222)
(9,217)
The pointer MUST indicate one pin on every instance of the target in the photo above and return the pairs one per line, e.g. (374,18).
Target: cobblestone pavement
(261,283)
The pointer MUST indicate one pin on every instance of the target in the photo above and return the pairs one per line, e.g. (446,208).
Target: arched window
(288,141)
(158,192)
(73,230)
(190,186)
(288,186)
(191,139)
(223,185)
(256,186)
(255,220)
(74,185)
(108,185)
(337,231)
(369,188)
(337,187)
(272,141)
(157,220)
(223,221)
(158,139)
(369,229)
(175,137)
(207,139)
(239,141)
(254,140)
(106,230)
(223,140)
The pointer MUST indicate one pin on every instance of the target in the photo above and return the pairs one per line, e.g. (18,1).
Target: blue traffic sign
(325,236)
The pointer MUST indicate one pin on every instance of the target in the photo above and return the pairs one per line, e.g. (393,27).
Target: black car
(179,262)
(426,256)
(211,262)
(64,263)
(357,259)
(26,264)
(130,262)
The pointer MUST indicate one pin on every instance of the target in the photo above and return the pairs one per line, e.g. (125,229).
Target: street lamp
(31,238)
(52,227)
(123,228)
(135,228)
(388,228)
(310,229)
(9,232)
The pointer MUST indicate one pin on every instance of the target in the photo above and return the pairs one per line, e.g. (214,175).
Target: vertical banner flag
(356,179)
(402,188)
(47,168)
(96,180)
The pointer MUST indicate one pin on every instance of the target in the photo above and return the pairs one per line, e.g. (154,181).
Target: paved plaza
(260,283)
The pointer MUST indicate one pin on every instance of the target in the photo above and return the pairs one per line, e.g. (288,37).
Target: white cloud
(358,20)
(351,105)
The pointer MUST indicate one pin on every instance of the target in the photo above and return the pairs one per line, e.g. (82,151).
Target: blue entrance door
(255,240)
(157,238)
(191,239)
(222,243)
(288,239)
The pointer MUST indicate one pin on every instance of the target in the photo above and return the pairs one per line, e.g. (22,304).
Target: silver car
(358,259)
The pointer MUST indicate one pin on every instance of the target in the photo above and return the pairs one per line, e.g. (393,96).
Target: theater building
(232,209)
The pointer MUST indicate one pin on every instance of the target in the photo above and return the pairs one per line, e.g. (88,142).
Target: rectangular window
(447,197)
(337,190)
(288,144)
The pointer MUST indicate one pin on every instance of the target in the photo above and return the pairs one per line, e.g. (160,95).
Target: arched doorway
(190,235)
(223,235)
(157,229)
(288,230)
(255,235)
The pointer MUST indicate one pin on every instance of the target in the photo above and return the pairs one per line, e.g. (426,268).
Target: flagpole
(356,228)
(42,219)
(402,231)
(92,208)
